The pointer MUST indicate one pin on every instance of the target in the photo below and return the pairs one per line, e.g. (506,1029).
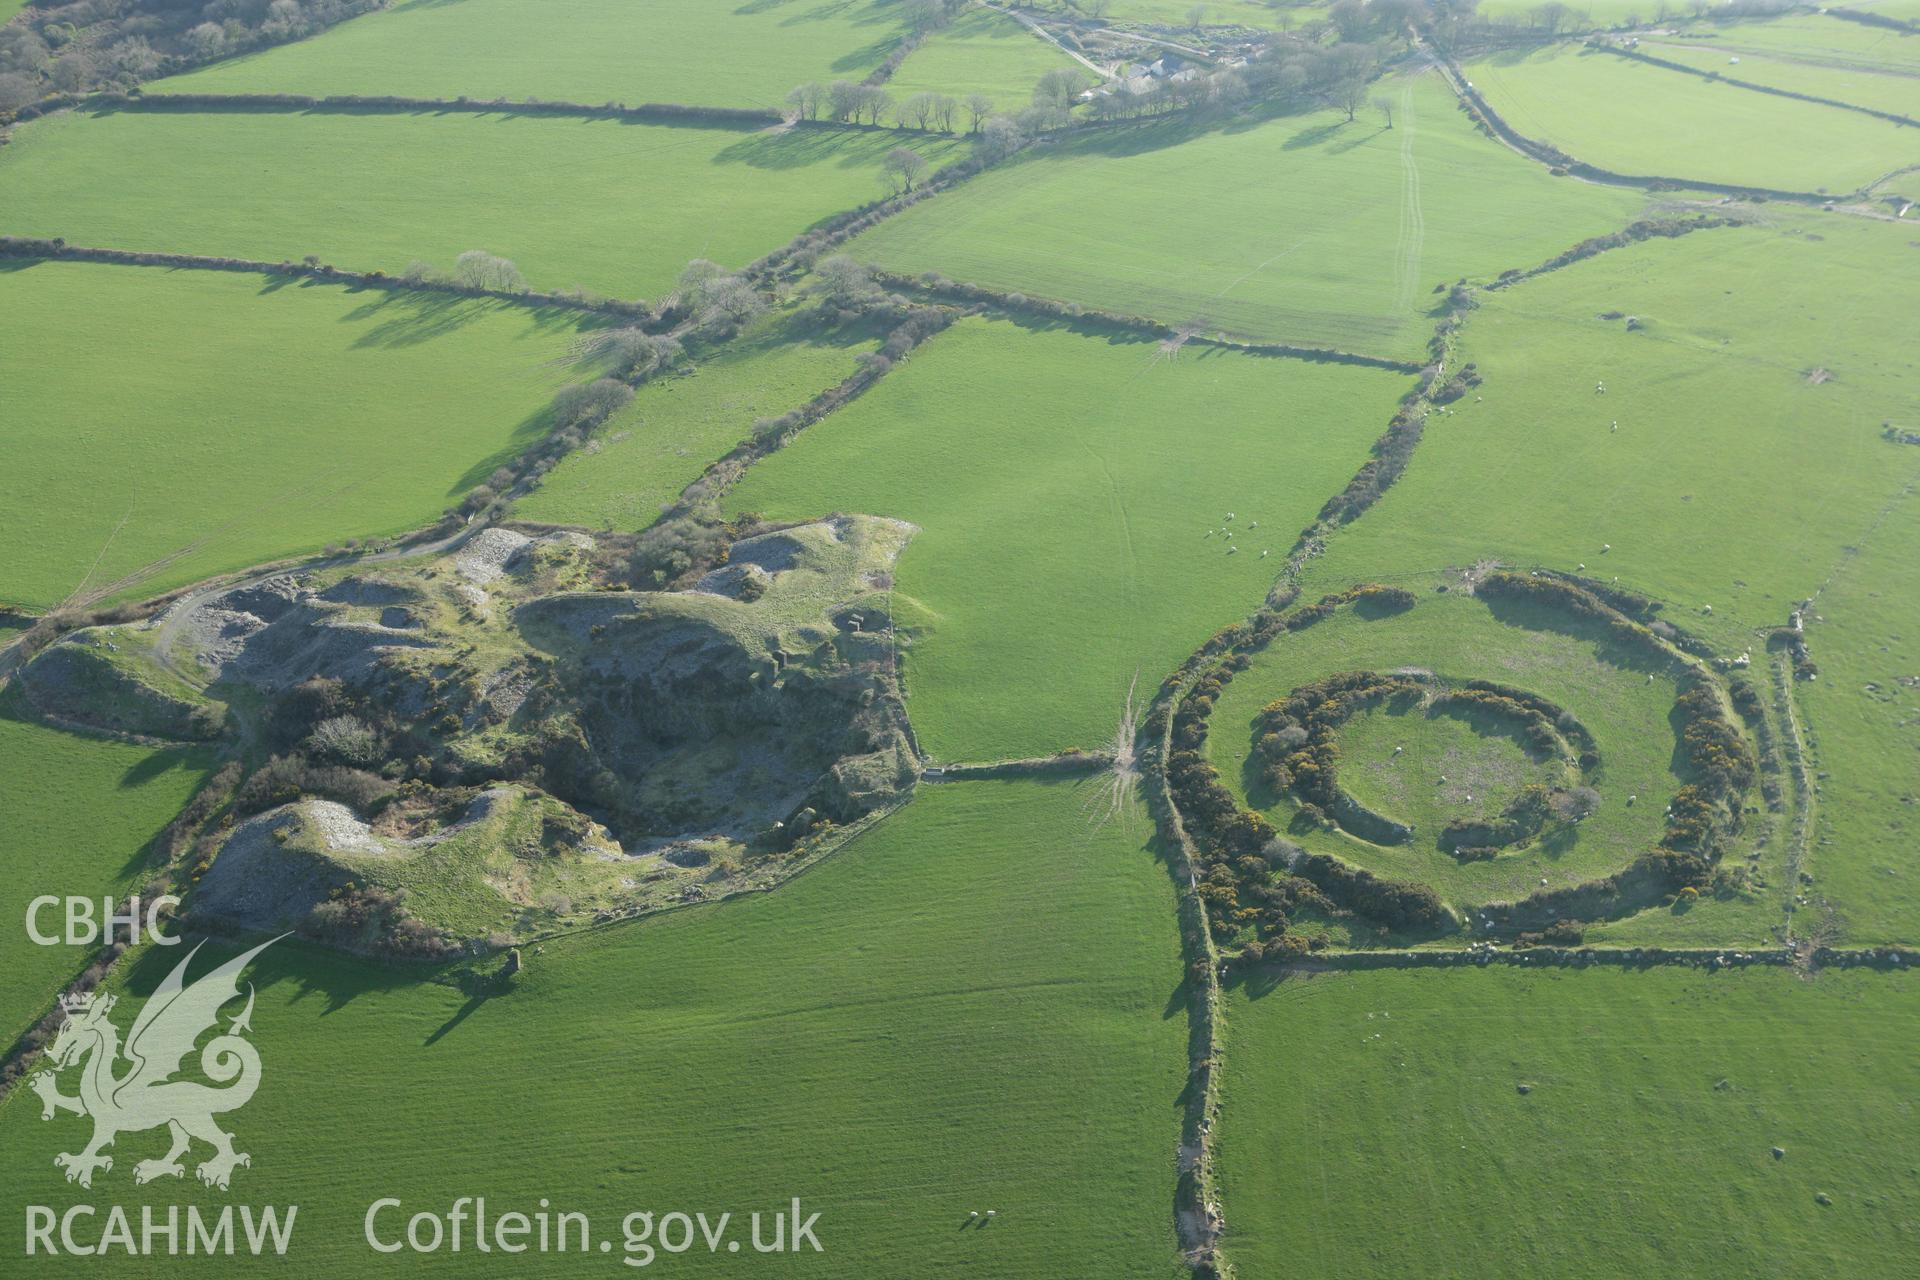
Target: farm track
(1413,223)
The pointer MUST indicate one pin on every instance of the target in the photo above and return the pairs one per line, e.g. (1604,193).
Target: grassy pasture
(1063,486)
(981,52)
(1860,85)
(612,206)
(1733,480)
(642,458)
(80,812)
(688,51)
(1483,766)
(1820,39)
(966,1009)
(1862,713)
(1245,13)
(1313,231)
(1460,638)
(1638,119)
(1373,1124)
(1587,13)
(168,425)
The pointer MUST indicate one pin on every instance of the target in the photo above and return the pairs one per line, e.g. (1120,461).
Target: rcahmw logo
(149,1094)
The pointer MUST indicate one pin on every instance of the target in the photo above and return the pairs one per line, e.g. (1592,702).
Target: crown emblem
(77,1001)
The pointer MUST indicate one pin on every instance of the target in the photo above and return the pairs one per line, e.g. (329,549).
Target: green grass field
(1374,1125)
(646,454)
(1176,13)
(1315,231)
(1063,484)
(614,207)
(686,51)
(1819,39)
(981,52)
(1858,85)
(1862,715)
(1459,638)
(933,1022)
(1648,121)
(1734,479)
(168,425)
(80,812)
(1587,13)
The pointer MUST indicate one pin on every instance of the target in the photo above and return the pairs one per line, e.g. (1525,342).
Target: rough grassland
(1063,486)
(691,51)
(1373,1125)
(1864,715)
(1460,638)
(981,52)
(1861,86)
(1314,231)
(1733,481)
(1639,119)
(615,207)
(79,813)
(940,1019)
(224,419)
(642,459)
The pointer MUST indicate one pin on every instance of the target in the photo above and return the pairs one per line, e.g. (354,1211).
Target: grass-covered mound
(1375,1124)
(81,813)
(505,863)
(966,1009)
(1071,494)
(711,730)
(612,206)
(685,51)
(1315,231)
(1749,370)
(1648,121)
(215,420)
(641,458)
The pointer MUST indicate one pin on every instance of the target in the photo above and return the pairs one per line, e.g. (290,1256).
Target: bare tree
(1057,89)
(1000,137)
(479,269)
(1384,105)
(806,100)
(1348,94)
(844,100)
(943,109)
(874,102)
(1196,16)
(903,167)
(917,111)
(979,107)
(841,278)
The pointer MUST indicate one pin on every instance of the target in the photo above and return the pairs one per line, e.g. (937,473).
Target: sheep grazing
(1265,554)
(1229,515)
(1605,547)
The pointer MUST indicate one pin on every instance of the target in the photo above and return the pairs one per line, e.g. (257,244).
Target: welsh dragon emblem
(146,1095)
